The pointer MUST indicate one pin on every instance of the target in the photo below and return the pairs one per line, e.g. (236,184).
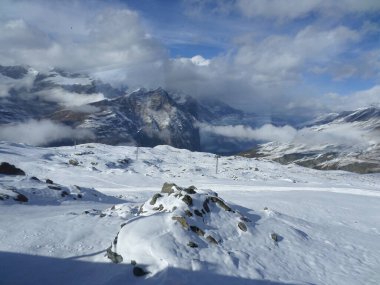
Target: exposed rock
(205,206)
(74,162)
(221,203)
(242,226)
(138,271)
(49,181)
(21,198)
(4,197)
(212,240)
(182,222)
(188,200)
(188,213)
(64,193)
(154,198)
(192,244)
(167,188)
(190,190)
(198,213)
(54,187)
(34,178)
(159,208)
(9,169)
(274,236)
(113,256)
(197,230)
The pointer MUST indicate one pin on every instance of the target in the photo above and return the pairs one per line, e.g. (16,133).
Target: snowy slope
(347,141)
(327,222)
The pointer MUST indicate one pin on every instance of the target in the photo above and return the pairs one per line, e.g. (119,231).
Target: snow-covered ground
(327,223)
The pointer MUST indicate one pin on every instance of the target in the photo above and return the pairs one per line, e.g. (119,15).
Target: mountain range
(345,141)
(99,112)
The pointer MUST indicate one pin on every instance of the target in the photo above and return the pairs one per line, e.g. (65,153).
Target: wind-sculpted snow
(268,224)
(194,231)
(33,191)
(189,229)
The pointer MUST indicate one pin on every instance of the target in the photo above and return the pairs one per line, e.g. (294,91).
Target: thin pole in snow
(217,162)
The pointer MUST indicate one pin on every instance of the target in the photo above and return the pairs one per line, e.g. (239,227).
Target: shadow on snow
(22,269)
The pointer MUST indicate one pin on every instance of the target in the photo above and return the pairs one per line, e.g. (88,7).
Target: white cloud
(40,132)
(68,99)
(265,133)
(113,38)
(360,99)
(338,134)
(7,83)
(263,74)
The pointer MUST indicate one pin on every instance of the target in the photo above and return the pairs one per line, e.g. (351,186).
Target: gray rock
(21,198)
(198,213)
(4,196)
(205,206)
(242,226)
(221,204)
(154,198)
(188,200)
(167,188)
(192,244)
(159,208)
(9,169)
(54,187)
(212,240)
(197,230)
(190,190)
(275,237)
(74,162)
(113,256)
(182,221)
(138,271)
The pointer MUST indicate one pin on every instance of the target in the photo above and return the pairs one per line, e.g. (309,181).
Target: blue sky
(283,57)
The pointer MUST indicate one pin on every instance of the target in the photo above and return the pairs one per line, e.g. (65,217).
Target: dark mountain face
(15,72)
(146,118)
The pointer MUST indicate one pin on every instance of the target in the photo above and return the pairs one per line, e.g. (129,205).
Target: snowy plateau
(101,214)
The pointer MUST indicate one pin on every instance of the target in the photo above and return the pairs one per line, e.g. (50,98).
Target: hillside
(346,141)
(269,223)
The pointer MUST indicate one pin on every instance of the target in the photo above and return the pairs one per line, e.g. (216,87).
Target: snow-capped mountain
(26,93)
(113,116)
(145,118)
(347,141)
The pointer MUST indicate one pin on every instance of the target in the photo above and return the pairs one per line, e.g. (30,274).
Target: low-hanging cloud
(338,134)
(267,132)
(40,133)
(68,99)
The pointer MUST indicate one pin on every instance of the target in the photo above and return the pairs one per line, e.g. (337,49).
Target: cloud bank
(264,68)
(345,134)
(40,133)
